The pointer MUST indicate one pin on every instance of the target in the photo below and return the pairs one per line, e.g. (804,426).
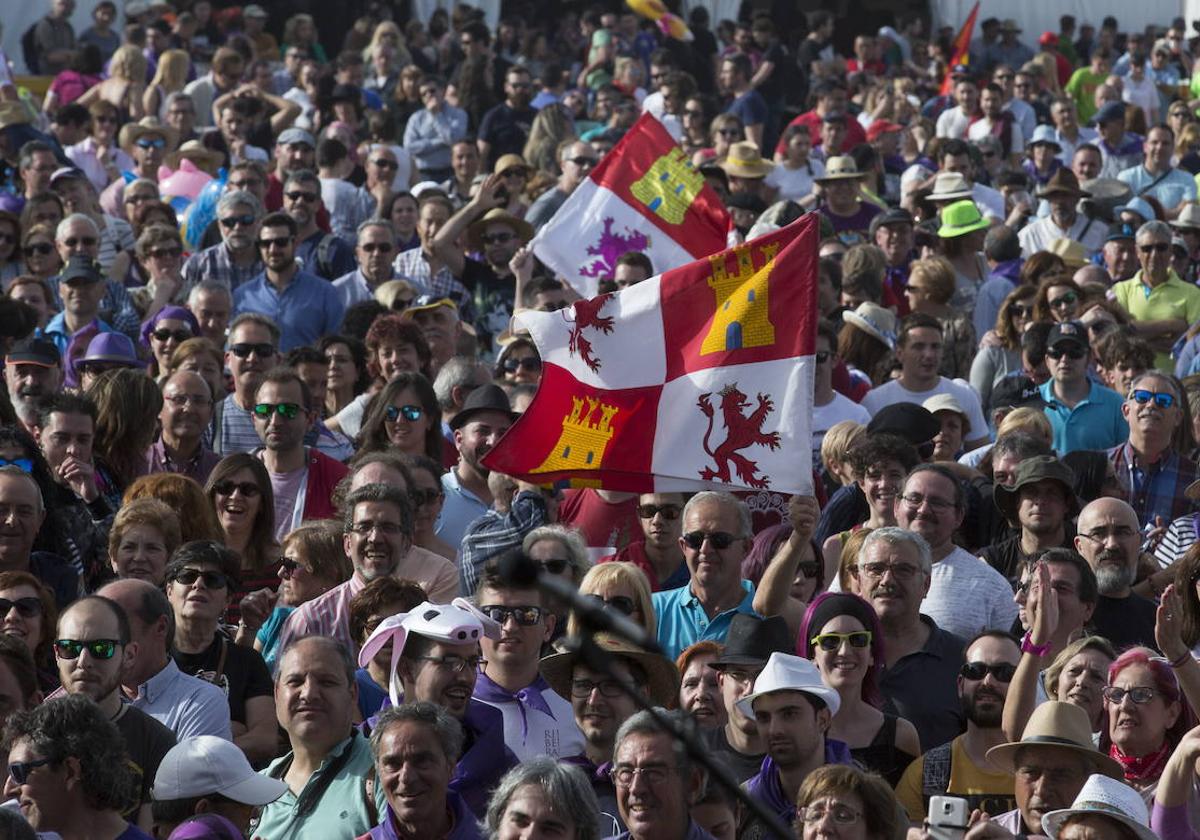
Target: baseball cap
(34,351)
(891,216)
(1068,332)
(81,267)
(1119,231)
(1111,111)
(913,422)
(296,135)
(206,764)
(1016,392)
(64,172)
(423,188)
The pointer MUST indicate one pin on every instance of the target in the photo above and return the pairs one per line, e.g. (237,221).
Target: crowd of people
(257,323)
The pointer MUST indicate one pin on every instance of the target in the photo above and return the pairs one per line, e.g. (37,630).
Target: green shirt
(341,808)
(1082,88)
(1172,299)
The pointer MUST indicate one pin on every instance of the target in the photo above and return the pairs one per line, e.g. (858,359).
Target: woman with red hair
(394,346)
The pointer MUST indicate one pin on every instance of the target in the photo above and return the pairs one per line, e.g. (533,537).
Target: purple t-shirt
(852,229)
(287,488)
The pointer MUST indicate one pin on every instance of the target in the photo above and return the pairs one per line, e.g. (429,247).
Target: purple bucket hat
(176,313)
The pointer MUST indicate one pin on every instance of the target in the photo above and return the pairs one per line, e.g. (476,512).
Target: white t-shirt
(894,392)
(795,184)
(1142,94)
(983,128)
(953,123)
(836,410)
(966,595)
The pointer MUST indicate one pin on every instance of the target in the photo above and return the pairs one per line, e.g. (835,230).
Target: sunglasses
(719,540)
(85,241)
(555,565)
(516,172)
(1142,397)
(525,616)
(23,464)
(42,248)
(98,648)
(1020,310)
(377,247)
(1070,353)
(28,607)
(287,411)
(243,351)
(529,363)
(822,356)
(1002,671)
(651,511)
(212,580)
(583,161)
(287,567)
(20,770)
(1140,695)
(621,603)
(151,144)
(245,220)
(384,163)
(1066,300)
(497,238)
(834,641)
(300,195)
(165,334)
(411,413)
(1156,248)
(281,241)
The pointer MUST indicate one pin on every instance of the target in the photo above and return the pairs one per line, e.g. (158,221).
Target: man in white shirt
(1062,193)
(994,121)
(953,122)
(919,350)
(829,406)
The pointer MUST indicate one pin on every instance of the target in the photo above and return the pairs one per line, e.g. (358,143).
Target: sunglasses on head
(287,411)
(230,222)
(834,641)
(621,603)
(27,607)
(164,334)
(529,363)
(411,413)
(212,580)
(1069,352)
(718,539)
(1002,671)
(98,648)
(1141,396)
(243,350)
(525,616)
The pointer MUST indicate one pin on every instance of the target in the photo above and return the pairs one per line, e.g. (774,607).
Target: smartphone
(948,816)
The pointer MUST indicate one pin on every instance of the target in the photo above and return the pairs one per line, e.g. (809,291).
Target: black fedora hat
(751,640)
(483,398)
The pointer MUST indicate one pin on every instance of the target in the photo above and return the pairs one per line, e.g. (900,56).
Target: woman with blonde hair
(1032,421)
(169,76)
(835,447)
(931,284)
(396,295)
(388,32)
(125,86)
(552,127)
(724,131)
(622,587)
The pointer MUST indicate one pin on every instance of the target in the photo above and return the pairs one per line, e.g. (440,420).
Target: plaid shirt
(1155,490)
(494,533)
(412,266)
(216,264)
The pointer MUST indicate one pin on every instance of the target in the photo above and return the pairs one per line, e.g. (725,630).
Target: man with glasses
(387,167)
(1083,414)
(80,234)
(377,537)
(147,142)
(185,417)
(964,595)
(375,250)
(320,253)
(505,128)
(658,552)
(304,305)
(1160,303)
(537,720)
(1109,538)
(92,652)
(1062,193)
(67,765)
(235,261)
(430,133)
(252,350)
(577,161)
(960,767)
(302,477)
(151,680)
(656,780)
(1147,464)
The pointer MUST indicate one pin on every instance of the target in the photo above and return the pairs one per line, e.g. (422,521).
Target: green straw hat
(961,218)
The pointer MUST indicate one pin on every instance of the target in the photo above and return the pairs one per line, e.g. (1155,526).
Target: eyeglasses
(184,400)
(20,770)
(555,565)
(139,198)
(281,241)
(164,334)
(364,529)
(583,161)
(165,253)
(245,220)
(834,641)
(719,540)
(497,238)
(841,814)
(623,775)
(822,356)
(1069,352)
(384,163)
(243,350)
(1066,300)
(211,579)
(287,411)
(28,607)
(621,603)
(377,247)
(23,464)
(1140,695)
(525,616)
(455,663)
(98,648)
(411,413)
(151,144)
(608,688)
(300,195)
(1002,671)
(530,363)
(1121,532)
(1156,248)
(730,132)
(42,248)
(420,498)
(900,571)
(915,500)
(85,241)
(1143,397)
(227,488)
(515,172)
(651,511)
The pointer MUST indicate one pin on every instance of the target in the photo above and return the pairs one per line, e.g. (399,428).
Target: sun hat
(961,218)
(1062,726)
(521,228)
(1062,181)
(1072,252)
(745,161)
(203,157)
(1139,206)
(1105,797)
(874,320)
(206,764)
(751,640)
(839,168)
(1031,471)
(662,677)
(1189,217)
(509,161)
(1044,134)
(950,186)
(788,672)
(132,132)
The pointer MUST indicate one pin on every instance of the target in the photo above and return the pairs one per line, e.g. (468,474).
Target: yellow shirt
(983,787)
(1173,299)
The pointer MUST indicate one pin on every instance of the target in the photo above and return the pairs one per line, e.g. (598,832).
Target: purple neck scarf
(530,696)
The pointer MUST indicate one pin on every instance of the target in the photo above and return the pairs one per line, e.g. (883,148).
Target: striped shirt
(237,432)
(1179,537)
(412,266)
(217,265)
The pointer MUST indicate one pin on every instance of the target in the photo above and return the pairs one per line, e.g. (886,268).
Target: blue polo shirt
(682,620)
(1095,423)
(307,308)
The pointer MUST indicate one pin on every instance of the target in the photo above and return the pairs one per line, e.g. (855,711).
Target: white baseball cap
(206,764)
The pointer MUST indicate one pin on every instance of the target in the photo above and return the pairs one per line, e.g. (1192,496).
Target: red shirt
(602,524)
(855,133)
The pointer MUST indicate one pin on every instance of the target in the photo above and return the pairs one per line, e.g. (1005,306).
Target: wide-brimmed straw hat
(662,677)
(132,132)
(745,161)
(497,215)
(839,168)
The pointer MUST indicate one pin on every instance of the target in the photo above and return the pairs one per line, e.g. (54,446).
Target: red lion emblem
(587,314)
(742,431)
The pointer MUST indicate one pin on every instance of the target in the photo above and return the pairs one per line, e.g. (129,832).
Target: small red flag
(962,49)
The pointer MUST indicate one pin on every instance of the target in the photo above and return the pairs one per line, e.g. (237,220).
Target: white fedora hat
(785,672)
(1105,797)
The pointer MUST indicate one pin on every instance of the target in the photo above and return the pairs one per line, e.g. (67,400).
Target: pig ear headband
(391,629)
(491,628)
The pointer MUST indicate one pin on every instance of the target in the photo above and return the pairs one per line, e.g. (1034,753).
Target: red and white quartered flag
(699,377)
(646,196)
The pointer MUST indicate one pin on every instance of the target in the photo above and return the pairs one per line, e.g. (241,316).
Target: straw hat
(745,161)
(13,112)
(199,154)
(662,678)
(510,161)
(950,186)
(521,228)
(1072,252)
(132,132)
(1189,218)
(874,320)
(839,168)
(1063,726)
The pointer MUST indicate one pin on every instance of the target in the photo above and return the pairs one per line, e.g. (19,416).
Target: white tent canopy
(1037,16)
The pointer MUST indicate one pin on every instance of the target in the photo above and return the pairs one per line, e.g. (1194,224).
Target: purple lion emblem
(610,248)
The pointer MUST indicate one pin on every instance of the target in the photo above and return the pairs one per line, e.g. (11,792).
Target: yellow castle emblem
(741,318)
(586,433)
(670,186)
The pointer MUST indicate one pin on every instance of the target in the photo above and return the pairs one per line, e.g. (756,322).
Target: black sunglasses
(20,770)
(1002,671)
(27,607)
(719,539)
(243,351)
(529,363)
(281,241)
(651,511)
(245,220)
(164,334)
(621,603)
(212,580)
(226,488)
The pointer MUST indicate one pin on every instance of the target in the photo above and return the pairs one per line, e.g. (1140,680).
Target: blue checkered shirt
(1155,490)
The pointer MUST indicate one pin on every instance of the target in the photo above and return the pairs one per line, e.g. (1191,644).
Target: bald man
(1110,539)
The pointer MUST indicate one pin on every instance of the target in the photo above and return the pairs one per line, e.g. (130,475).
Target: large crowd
(258,335)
